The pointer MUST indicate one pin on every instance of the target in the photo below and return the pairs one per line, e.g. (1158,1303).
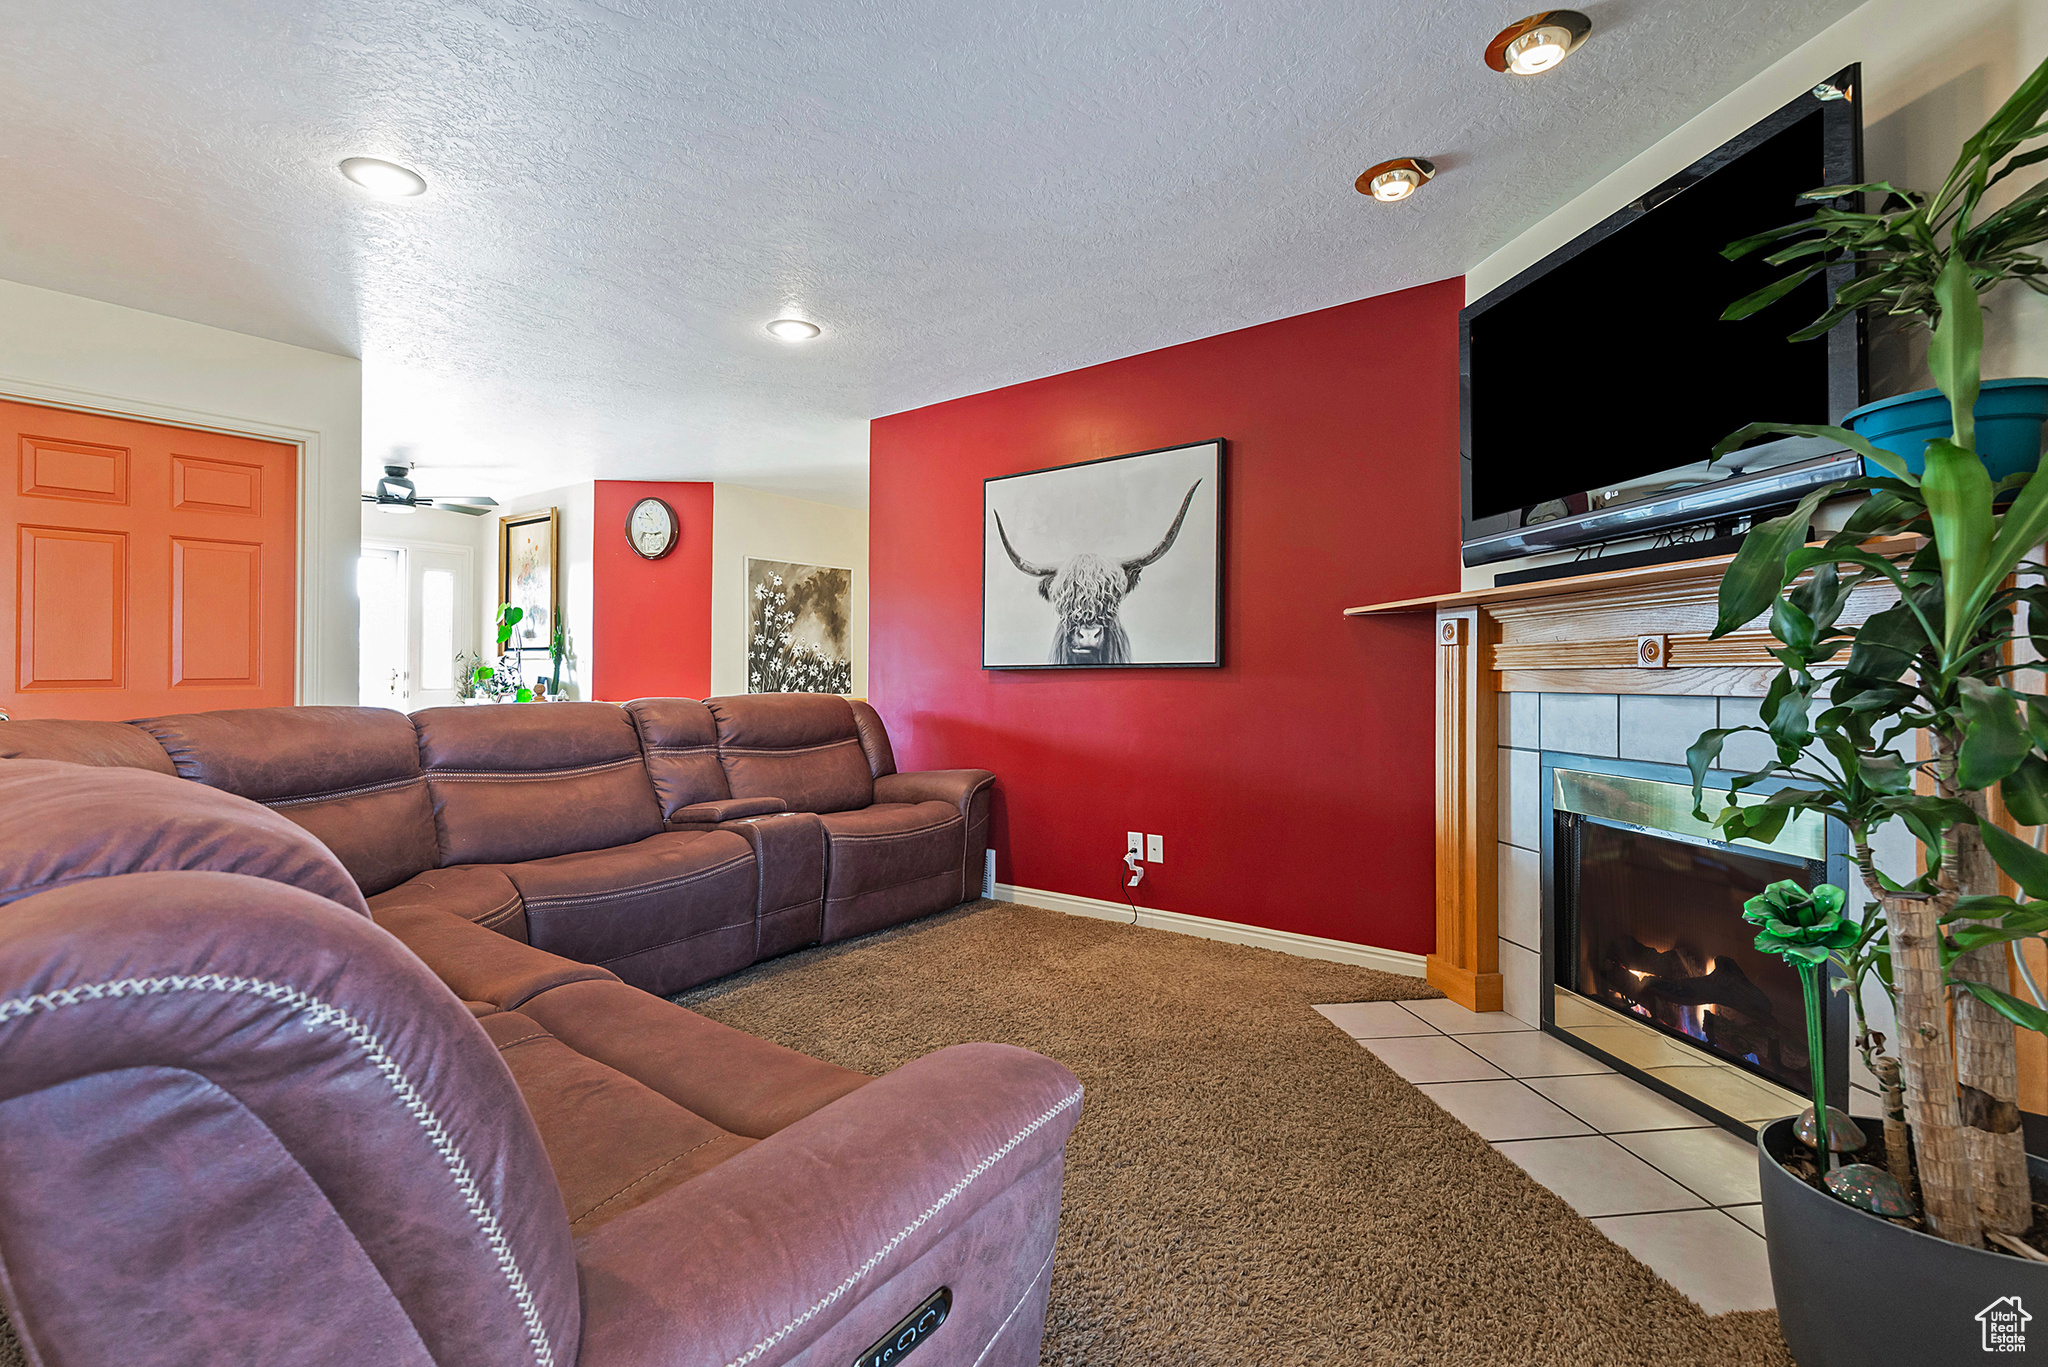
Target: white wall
(577,506)
(81,353)
(1933,71)
(749,523)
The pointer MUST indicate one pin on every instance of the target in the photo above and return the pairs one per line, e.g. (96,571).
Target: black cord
(1123,881)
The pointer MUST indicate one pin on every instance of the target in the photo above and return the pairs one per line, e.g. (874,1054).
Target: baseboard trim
(1209,928)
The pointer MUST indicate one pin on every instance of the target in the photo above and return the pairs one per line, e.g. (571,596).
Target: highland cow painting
(1114,563)
(799,628)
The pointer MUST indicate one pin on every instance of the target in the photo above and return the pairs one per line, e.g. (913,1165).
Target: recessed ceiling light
(1395,180)
(792,330)
(1532,46)
(384,179)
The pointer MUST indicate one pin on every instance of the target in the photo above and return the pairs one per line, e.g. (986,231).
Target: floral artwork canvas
(799,628)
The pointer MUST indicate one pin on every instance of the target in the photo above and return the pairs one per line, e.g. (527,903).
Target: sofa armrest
(956,786)
(757,1259)
(726,809)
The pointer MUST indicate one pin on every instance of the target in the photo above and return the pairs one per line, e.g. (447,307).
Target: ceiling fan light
(1538,43)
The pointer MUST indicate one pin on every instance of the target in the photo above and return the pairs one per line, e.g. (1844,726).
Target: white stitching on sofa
(1029,1287)
(318,1013)
(886,1249)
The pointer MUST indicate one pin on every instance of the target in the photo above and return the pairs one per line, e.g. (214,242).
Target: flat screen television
(1594,384)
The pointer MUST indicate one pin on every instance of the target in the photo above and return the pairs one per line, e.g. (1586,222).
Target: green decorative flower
(1800,923)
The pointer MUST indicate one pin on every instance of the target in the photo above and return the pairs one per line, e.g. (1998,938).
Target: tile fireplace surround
(1614,666)
(1650,727)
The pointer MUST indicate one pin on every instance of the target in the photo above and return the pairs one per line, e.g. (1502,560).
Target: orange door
(155,569)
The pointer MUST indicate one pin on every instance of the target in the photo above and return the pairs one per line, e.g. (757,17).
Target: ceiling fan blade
(467,507)
(474,500)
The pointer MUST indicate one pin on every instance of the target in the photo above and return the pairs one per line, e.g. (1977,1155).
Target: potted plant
(1857,1277)
(501,684)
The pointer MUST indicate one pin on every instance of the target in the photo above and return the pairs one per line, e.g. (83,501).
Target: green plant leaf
(1761,823)
(2025,791)
(1770,294)
(1751,582)
(1886,644)
(1995,737)
(2026,1015)
(1859,444)
(1958,493)
(2022,863)
(1886,772)
(1955,353)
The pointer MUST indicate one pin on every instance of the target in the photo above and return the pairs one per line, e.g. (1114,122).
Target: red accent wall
(651,619)
(1294,786)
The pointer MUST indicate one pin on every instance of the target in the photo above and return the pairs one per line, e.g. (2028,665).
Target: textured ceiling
(964,193)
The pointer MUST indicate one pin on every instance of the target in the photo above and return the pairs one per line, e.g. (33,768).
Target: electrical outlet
(1155,849)
(1134,843)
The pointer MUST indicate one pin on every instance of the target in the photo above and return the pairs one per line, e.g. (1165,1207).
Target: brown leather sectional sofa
(243,1121)
(668,840)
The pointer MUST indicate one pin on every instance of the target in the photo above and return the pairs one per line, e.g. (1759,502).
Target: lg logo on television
(2005,1325)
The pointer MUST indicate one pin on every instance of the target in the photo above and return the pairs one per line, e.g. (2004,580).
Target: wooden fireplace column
(1466,964)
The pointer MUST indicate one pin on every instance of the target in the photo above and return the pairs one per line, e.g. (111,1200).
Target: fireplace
(1654,969)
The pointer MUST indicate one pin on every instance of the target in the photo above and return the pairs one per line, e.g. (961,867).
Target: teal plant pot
(2009,418)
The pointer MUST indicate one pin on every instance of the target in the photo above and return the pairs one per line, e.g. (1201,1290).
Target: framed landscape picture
(1110,563)
(799,628)
(528,560)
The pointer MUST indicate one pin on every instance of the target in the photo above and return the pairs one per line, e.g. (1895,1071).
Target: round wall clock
(651,528)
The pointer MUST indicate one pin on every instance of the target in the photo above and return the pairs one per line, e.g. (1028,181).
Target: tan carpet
(1246,1184)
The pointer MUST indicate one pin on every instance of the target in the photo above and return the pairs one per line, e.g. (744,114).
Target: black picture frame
(1216,471)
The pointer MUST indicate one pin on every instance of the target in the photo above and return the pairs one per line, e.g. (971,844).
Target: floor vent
(988,873)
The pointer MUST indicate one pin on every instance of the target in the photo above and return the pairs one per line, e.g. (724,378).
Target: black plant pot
(1857,1291)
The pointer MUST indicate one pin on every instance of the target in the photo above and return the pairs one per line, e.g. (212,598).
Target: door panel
(155,567)
(215,486)
(216,614)
(73,608)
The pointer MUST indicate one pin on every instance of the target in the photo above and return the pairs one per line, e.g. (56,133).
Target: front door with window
(417,611)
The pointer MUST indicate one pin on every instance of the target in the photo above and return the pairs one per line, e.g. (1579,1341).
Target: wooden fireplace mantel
(1641,630)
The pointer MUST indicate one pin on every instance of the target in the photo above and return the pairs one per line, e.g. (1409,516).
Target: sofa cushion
(69,824)
(350,775)
(480,965)
(513,782)
(735,1080)
(801,747)
(890,862)
(874,739)
(112,744)
(615,1143)
(663,913)
(474,892)
(679,741)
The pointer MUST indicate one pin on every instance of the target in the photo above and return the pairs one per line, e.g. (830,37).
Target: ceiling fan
(396,493)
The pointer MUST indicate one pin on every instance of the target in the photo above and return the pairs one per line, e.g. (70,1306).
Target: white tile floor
(1667,1185)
